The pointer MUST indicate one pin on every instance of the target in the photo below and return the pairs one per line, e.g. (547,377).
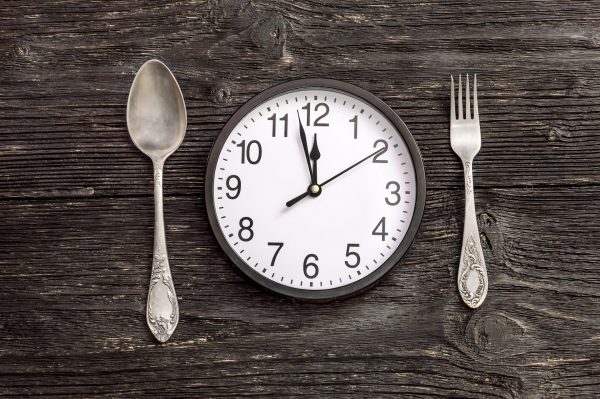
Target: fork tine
(460,98)
(452,109)
(468,100)
(475,107)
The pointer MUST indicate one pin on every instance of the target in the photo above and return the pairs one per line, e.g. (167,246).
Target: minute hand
(352,166)
(298,198)
(305,147)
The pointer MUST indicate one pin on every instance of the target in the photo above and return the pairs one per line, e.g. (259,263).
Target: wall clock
(315,189)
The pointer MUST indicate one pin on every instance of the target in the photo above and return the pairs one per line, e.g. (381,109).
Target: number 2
(385,148)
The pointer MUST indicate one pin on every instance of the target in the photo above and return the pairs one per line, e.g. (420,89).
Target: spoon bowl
(156,114)
(157,121)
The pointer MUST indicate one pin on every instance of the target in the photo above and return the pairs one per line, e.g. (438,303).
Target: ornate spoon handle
(162,310)
(472,274)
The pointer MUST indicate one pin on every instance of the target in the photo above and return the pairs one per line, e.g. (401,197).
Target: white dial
(318,215)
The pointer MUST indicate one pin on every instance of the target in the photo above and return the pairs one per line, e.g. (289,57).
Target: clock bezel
(393,260)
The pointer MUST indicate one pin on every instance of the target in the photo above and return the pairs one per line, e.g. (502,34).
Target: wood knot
(496,333)
(594,41)
(578,88)
(21,50)
(486,220)
(557,134)
(270,33)
(220,94)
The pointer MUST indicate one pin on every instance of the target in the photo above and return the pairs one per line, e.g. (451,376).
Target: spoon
(157,120)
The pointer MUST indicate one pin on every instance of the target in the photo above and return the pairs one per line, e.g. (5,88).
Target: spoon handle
(162,310)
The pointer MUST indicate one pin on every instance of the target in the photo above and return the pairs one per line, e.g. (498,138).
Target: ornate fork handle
(162,310)
(472,274)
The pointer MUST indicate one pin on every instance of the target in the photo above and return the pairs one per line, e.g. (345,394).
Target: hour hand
(314,156)
(305,146)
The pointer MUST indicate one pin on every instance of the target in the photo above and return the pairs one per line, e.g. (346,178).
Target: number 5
(352,253)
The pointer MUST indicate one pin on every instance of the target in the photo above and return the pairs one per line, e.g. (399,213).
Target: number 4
(377,232)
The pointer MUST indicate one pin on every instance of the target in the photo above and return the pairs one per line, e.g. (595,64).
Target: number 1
(355,121)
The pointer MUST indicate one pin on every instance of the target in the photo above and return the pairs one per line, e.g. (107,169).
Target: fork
(465,138)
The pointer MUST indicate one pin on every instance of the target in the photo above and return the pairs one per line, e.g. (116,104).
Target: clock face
(315,189)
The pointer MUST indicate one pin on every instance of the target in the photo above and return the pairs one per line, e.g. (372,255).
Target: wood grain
(76,206)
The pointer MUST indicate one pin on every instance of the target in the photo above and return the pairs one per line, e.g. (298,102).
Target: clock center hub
(314,190)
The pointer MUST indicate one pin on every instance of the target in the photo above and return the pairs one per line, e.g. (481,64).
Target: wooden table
(77,211)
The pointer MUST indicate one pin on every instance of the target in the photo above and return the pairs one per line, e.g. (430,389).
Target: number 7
(279,245)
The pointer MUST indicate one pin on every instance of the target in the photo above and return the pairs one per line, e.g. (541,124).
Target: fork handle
(472,274)
(162,310)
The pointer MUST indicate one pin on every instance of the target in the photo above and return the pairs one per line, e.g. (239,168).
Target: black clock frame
(369,280)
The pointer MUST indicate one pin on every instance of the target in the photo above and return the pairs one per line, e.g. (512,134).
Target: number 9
(236,188)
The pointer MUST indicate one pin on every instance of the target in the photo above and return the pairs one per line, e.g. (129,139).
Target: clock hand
(301,196)
(298,198)
(315,155)
(305,146)
(353,166)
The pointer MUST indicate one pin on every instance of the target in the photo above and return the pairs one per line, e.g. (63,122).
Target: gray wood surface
(76,202)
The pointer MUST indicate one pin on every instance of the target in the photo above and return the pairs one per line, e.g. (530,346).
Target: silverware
(465,138)
(157,121)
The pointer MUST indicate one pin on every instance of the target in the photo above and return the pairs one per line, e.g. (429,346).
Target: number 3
(394,192)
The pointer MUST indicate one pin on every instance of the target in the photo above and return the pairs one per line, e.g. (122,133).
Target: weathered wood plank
(65,85)
(76,207)
(75,287)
